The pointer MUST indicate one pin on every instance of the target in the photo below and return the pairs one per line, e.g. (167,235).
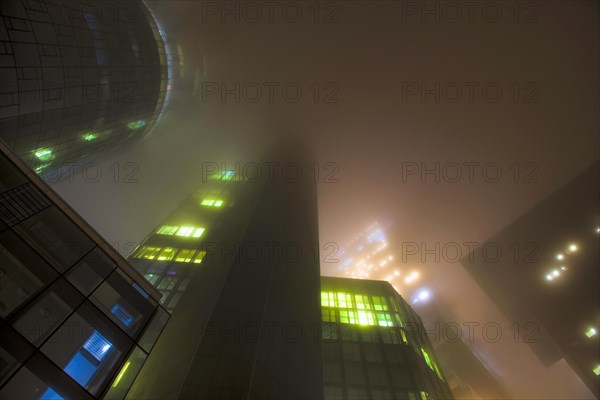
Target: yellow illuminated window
(328,315)
(185,231)
(148,253)
(403,334)
(219,203)
(167,230)
(166,254)
(324,299)
(185,255)
(366,318)
(362,302)
(199,256)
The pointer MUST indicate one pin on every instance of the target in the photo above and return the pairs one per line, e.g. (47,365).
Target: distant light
(591,332)
(549,277)
(572,247)
(396,272)
(598,229)
(560,257)
(555,273)
(422,296)
(563,268)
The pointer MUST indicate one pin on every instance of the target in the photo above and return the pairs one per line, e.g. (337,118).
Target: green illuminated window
(226,175)
(199,256)
(44,154)
(212,203)
(431,364)
(344,300)
(366,318)
(89,136)
(140,123)
(384,319)
(183,231)
(379,303)
(398,319)
(328,315)
(41,167)
(597,369)
(403,334)
(362,302)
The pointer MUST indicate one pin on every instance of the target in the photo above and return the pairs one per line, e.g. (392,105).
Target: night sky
(371,62)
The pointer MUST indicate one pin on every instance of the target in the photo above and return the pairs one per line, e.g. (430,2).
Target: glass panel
(25,385)
(154,329)
(55,237)
(122,302)
(14,350)
(124,379)
(22,272)
(90,271)
(88,348)
(10,176)
(42,317)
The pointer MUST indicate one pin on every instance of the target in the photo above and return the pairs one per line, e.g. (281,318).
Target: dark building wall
(79,79)
(76,320)
(553,312)
(244,327)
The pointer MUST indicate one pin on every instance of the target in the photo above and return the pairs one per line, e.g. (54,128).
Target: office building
(76,321)
(374,344)
(237,265)
(80,80)
(545,277)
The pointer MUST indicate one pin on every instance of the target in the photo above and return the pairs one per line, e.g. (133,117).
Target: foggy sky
(369,53)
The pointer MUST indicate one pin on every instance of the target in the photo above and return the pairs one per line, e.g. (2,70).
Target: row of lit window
(360,317)
(183,231)
(357,301)
(432,365)
(212,202)
(171,254)
(46,154)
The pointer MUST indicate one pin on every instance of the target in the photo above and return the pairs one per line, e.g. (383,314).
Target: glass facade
(76,321)
(79,79)
(374,344)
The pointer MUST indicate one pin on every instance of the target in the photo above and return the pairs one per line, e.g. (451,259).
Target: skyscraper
(545,276)
(237,265)
(374,344)
(79,79)
(76,321)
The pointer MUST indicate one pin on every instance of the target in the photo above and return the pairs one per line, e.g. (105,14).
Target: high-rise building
(542,271)
(79,79)
(466,375)
(374,344)
(76,320)
(237,264)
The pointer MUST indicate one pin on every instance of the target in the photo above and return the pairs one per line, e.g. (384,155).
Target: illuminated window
(379,303)
(185,255)
(348,317)
(41,167)
(403,334)
(167,230)
(148,252)
(44,154)
(183,231)
(597,369)
(140,123)
(167,254)
(324,299)
(226,175)
(427,359)
(199,256)
(344,300)
(362,302)
(88,137)
(212,203)
(384,319)
(328,315)
(590,332)
(366,318)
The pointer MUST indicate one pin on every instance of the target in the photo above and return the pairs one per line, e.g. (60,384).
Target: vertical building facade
(545,280)
(79,79)
(237,264)
(76,321)
(374,344)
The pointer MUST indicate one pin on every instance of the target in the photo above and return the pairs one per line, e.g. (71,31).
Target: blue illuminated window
(122,314)
(97,346)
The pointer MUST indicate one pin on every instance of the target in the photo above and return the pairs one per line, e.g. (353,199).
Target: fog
(371,109)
